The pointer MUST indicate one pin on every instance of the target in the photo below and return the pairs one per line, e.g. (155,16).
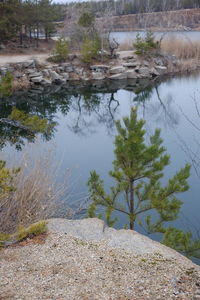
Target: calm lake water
(130,36)
(84,131)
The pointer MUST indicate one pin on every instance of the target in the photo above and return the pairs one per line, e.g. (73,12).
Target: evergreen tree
(9,22)
(137,170)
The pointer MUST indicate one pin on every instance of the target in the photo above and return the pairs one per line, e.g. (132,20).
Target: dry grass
(37,196)
(183,49)
(126,45)
(22,83)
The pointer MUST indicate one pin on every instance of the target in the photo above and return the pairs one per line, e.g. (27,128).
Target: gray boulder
(117,69)
(3,70)
(128,57)
(35,74)
(144,71)
(99,68)
(154,72)
(161,69)
(159,61)
(98,76)
(130,64)
(65,76)
(128,240)
(79,71)
(45,72)
(131,74)
(37,79)
(54,75)
(28,63)
(85,76)
(119,76)
(46,82)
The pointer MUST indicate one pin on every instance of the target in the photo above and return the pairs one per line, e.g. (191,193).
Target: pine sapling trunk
(131,211)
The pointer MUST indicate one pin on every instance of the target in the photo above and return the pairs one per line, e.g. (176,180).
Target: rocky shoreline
(126,66)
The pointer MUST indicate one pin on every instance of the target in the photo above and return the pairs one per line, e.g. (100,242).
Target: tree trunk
(46,34)
(37,38)
(131,205)
(21,36)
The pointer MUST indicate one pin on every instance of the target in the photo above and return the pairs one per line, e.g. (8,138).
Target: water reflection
(88,104)
(84,115)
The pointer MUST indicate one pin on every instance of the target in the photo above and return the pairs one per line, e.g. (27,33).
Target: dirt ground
(16,58)
(13,53)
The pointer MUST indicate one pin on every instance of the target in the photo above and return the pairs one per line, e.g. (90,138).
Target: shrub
(145,45)
(6,85)
(33,230)
(3,238)
(90,49)
(36,194)
(87,19)
(24,233)
(61,51)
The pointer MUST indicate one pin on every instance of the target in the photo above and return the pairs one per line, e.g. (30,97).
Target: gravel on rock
(63,266)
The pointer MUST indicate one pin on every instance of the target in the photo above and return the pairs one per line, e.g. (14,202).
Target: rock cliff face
(170,20)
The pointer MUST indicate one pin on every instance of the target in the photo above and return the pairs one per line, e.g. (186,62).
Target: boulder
(74,76)
(130,64)
(46,82)
(159,61)
(59,80)
(127,57)
(161,69)
(65,76)
(28,63)
(30,71)
(54,75)
(99,68)
(131,74)
(154,72)
(146,63)
(128,240)
(79,71)
(3,70)
(117,69)
(144,71)
(69,69)
(119,76)
(98,76)
(35,74)
(37,79)
(45,72)
(85,76)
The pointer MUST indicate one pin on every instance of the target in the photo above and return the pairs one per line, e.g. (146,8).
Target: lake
(190,36)
(84,132)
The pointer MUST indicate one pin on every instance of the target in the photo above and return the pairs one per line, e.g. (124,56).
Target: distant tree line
(124,7)
(27,18)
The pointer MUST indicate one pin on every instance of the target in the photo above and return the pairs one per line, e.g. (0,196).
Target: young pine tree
(137,170)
